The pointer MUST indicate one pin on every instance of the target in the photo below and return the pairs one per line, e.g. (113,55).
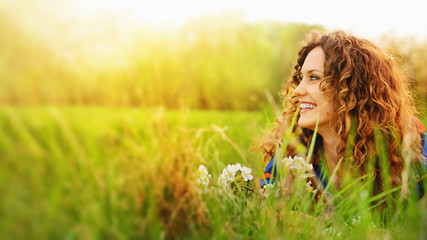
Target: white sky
(366,18)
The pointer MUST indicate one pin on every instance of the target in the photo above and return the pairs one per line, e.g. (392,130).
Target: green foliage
(130,173)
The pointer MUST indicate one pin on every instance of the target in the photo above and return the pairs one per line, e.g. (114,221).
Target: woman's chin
(306,124)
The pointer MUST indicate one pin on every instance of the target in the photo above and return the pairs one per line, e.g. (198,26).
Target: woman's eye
(314,78)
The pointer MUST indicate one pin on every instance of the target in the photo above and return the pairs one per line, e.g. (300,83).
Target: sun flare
(99,32)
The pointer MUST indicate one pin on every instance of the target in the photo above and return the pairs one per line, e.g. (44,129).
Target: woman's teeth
(304,106)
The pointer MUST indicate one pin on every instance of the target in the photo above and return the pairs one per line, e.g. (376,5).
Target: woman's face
(314,104)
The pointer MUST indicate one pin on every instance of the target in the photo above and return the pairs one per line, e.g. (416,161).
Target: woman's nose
(300,90)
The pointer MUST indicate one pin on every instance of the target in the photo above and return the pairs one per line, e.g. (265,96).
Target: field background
(102,134)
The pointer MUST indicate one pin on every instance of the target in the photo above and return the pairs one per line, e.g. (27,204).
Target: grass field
(129,173)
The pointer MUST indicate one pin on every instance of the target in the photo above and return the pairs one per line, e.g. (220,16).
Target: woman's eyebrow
(313,70)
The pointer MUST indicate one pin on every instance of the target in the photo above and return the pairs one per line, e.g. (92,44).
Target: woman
(359,99)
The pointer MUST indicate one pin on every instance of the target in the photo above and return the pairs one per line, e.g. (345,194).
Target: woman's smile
(306,107)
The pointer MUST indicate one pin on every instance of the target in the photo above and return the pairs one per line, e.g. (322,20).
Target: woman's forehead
(314,61)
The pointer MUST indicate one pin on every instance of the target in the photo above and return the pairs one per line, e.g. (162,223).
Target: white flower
(204,178)
(298,163)
(267,189)
(298,166)
(287,161)
(204,175)
(356,221)
(301,170)
(203,170)
(238,167)
(331,232)
(228,174)
(246,173)
(233,169)
(234,175)
(223,180)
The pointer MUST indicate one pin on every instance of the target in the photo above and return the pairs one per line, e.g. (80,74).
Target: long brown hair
(370,89)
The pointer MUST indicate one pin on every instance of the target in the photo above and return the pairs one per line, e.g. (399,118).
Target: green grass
(123,173)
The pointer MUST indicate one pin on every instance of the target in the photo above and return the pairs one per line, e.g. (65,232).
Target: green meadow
(103,173)
(91,173)
(103,133)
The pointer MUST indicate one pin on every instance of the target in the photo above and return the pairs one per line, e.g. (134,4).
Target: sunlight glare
(103,29)
(142,12)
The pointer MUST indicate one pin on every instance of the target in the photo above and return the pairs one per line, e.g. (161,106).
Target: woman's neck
(330,144)
(330,141)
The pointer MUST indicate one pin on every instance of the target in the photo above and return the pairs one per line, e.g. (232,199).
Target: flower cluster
(298,166)
(204,178)
(268,189)
(296,173)
(300,169)
(234,176)
(235,179)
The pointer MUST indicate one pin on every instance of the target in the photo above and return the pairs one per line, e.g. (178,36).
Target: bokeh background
(188,54)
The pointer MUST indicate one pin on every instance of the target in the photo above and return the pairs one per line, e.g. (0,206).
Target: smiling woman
(357,99)
(313,102)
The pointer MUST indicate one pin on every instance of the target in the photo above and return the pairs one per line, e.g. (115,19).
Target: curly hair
(370,91)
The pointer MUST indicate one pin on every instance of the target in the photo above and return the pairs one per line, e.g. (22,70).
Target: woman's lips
(306,107)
